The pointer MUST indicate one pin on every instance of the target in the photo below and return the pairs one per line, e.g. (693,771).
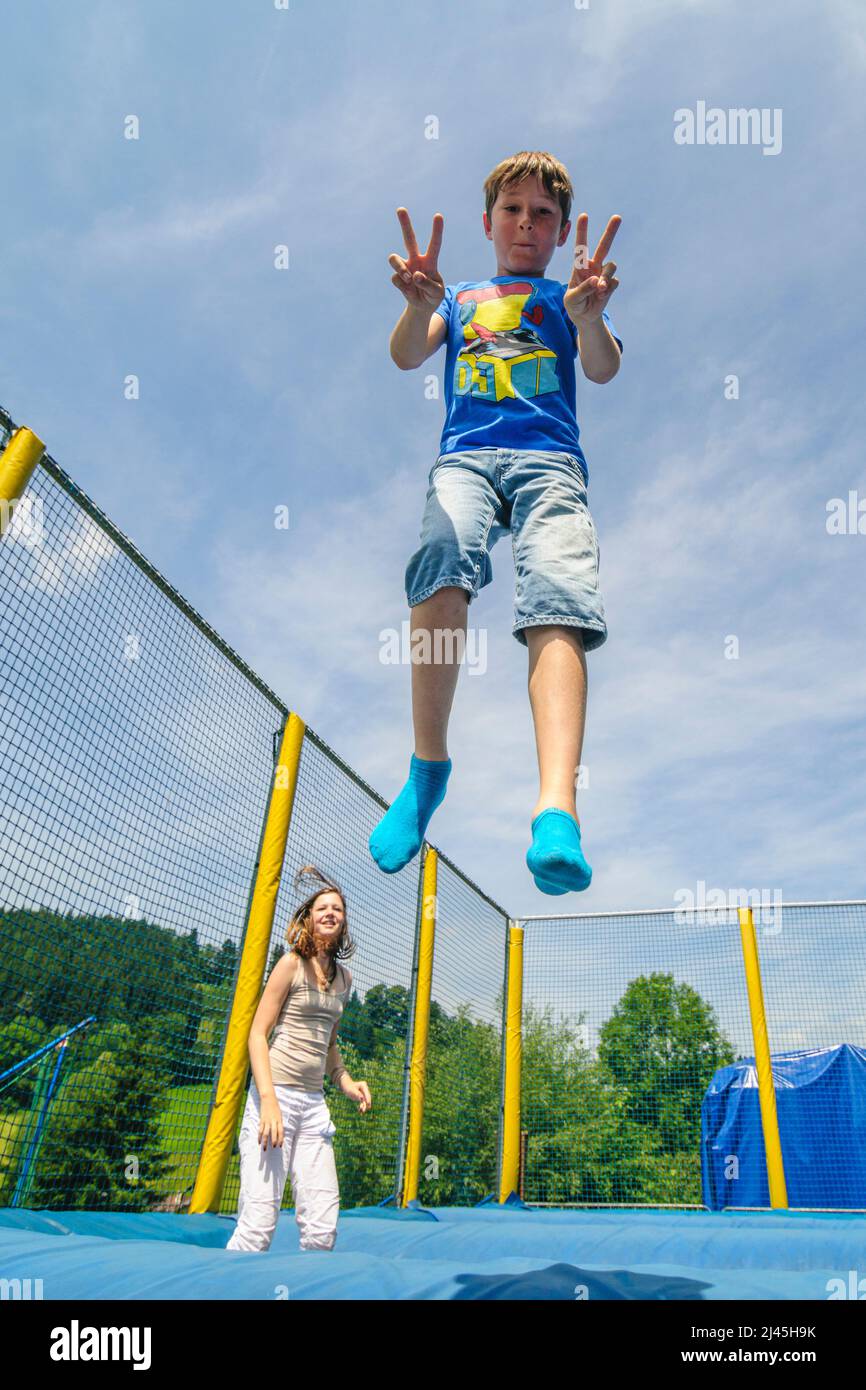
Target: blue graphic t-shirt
(509,366)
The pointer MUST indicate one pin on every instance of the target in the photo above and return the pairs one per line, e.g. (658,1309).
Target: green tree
(387,1008)
(365,1146)
(101,1148)
(461,1110)
(357,1027)
(581,1145)
(662,1044)
(19,1037)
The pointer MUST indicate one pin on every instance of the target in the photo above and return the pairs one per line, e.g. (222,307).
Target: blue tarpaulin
(515,1251)
(821,1105)
(488,1252)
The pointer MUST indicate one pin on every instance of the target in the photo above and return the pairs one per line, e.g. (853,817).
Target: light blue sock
(555,857)
(550,888)
(400,833)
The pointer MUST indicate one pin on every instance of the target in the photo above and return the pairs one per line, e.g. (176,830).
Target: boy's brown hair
(553,175)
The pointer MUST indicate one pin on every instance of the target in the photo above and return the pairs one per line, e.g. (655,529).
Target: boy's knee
(540,631)
(448,596)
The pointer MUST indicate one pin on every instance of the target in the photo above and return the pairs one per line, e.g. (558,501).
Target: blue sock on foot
(550,888)
(555,857)
(400,833)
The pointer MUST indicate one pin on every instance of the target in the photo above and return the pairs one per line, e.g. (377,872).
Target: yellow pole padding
(222,1125)
(18,463)
(763,1064)
(510,1169)
(421,1030)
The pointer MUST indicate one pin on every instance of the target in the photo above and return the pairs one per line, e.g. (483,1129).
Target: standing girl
(287,1128)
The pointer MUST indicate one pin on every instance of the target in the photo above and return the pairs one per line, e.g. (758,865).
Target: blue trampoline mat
(490,1252)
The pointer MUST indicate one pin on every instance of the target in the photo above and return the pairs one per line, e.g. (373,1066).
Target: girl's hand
(270,1123)
(359,1091)
(418,276)
(592,283)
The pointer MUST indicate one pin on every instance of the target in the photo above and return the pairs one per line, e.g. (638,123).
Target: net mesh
(136,760)
(627,1017)
(130,820)
(137,754)
(461,1131)
(334,813)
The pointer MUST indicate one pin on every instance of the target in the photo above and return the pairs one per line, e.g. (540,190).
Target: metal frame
(667,911)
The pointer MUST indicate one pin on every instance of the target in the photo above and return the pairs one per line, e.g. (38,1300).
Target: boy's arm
(418,334)
(599,351)
(586,297)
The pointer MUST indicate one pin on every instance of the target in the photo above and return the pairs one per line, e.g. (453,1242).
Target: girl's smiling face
(326,918)
(525,228)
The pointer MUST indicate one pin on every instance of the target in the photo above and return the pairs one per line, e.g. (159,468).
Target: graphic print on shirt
(509,378)
(502,353)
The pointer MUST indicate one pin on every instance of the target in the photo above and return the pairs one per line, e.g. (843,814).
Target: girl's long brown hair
(299,933)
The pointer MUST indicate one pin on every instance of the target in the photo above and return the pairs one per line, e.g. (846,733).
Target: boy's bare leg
(400,833)
(434,683)
(557,694)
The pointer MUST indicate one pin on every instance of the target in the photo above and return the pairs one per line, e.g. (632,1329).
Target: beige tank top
(300,1048)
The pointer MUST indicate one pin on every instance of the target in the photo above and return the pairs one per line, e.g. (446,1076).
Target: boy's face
(525,228)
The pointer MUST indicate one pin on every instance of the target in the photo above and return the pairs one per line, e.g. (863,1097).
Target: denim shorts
(475,497)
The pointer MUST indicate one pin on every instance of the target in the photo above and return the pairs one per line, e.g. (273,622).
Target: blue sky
(261,387)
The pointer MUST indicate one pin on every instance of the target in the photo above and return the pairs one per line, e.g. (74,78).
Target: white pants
(307,1154)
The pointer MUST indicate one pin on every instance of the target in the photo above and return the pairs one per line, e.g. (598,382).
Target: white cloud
(710,518)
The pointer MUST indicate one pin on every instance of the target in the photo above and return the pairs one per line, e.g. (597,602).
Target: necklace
(324,981)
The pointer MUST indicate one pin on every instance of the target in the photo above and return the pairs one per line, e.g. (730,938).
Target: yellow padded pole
(510,1167)
(421,1029)
(763,1064)
(217,1147)
(18,463)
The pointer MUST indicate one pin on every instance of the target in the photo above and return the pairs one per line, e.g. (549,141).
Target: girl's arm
(334,1064)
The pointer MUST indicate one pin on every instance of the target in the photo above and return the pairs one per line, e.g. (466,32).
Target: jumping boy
(509,460)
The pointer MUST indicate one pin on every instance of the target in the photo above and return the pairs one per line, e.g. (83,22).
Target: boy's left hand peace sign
(592,281)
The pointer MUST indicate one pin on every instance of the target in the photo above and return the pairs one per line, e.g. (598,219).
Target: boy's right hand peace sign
(592,281)
(417,277)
